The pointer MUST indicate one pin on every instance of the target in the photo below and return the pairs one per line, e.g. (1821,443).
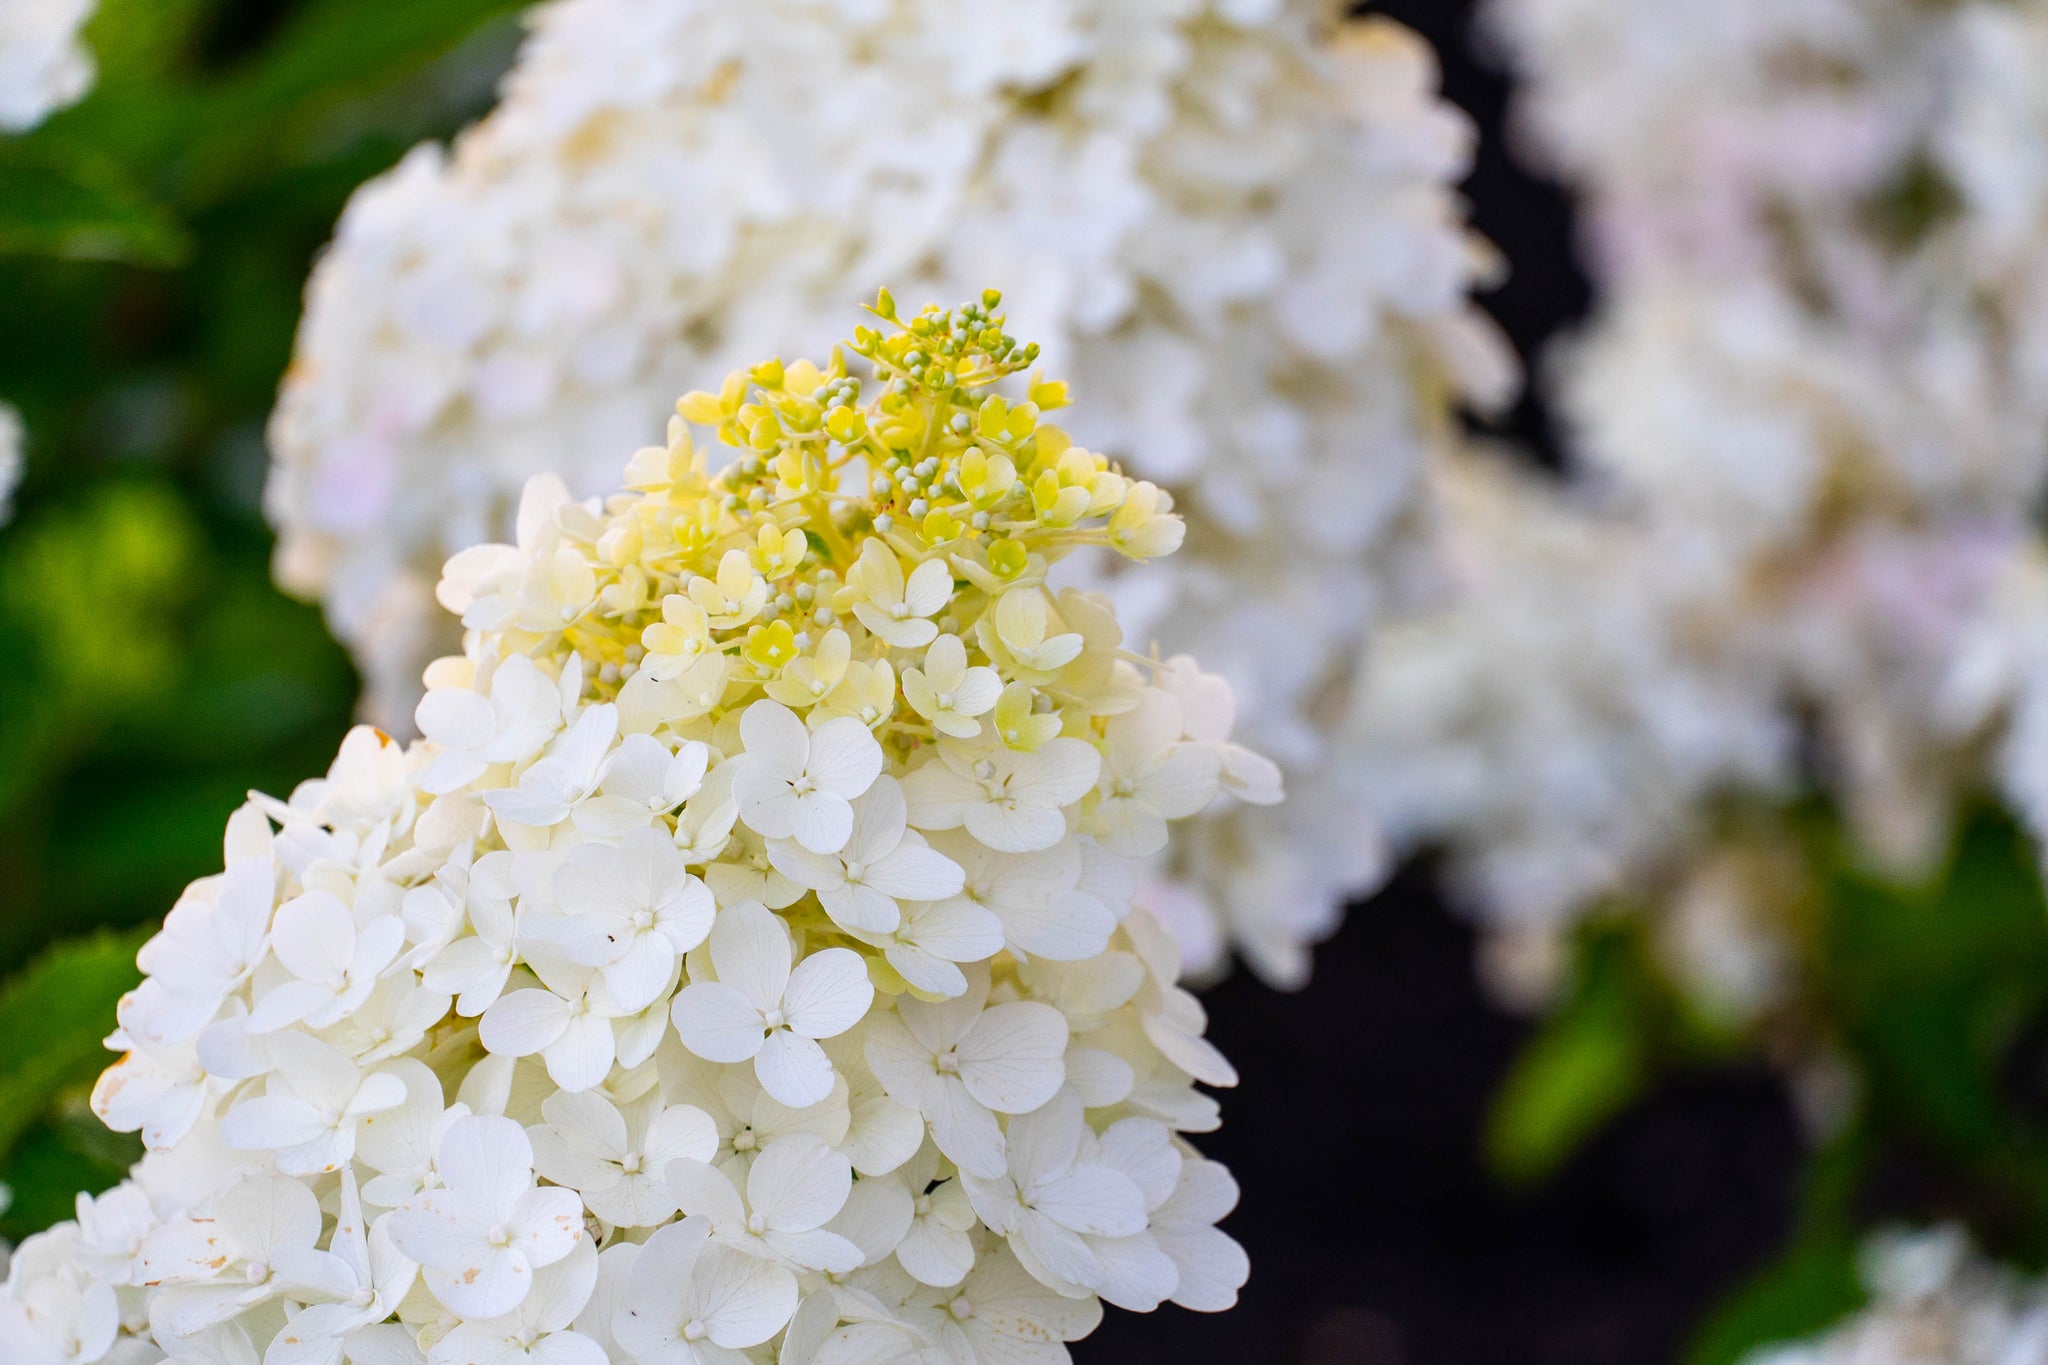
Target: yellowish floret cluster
(909,516)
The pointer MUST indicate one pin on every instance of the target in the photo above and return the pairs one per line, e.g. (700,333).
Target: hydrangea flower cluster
(1934,1301)
(43,65)
(1236,218)
(742,968)
(1806,417)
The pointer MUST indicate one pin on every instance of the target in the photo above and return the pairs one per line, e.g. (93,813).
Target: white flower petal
(794,1069)
(717,1022)
(827,993)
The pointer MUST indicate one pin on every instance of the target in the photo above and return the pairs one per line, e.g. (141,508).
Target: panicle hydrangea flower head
(1238,220)
(743,965)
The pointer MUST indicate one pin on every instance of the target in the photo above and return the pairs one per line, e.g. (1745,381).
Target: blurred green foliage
(1934,997)
(154,243)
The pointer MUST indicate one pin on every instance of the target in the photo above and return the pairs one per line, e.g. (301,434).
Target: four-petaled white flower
(378,1277)
(947,692)
(312,1106)
(796,784)
(880,865)
(760,1008)
(1039,898)
(618,1159)
(1150,776)
(935,1248)
(632,912)
(400,1144)
(891,606)
(690,1301)
(796,1186)
(960,1065)
(568,1020)
(537,1331)
(557,785)
(1049,1202)
(209,945)
(1002,1312)
(481,1236)
(734,597)
(474,969)
(933,938)
(506,719)
(330,965)
(644,780)
(1013,802)
(256,1242)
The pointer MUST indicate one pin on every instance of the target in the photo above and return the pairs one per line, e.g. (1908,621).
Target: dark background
(1377,1234)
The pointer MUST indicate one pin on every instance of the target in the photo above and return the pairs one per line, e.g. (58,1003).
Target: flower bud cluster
(743,966)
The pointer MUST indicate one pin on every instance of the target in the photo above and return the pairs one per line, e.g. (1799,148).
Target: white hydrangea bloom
(1551,721)
(1236,219)
(1934,1301)
(1806,431)
(43,65)
(470,1053)
(1820,372)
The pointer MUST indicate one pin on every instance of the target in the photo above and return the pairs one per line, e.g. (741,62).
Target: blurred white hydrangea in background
(1235,218)
(1546,720)
(43,65)
(1934,1301)
(12,460)
(1813,403)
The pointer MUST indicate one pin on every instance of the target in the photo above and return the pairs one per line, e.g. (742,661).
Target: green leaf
(64,201)
(1932,984)
(312,82)
(68,1153)
(1811,1287)
(54,1016)
(1586,1063)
